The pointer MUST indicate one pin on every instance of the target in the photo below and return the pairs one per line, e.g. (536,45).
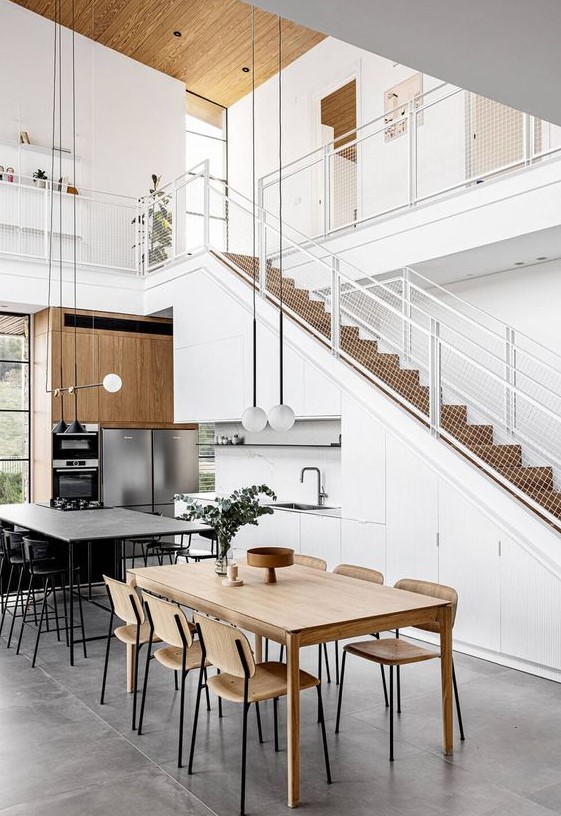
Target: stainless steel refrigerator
(143,469)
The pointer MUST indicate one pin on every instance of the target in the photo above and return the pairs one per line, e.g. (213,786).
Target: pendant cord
(253,171)
(60,287)
(51,215)
(281,316)
(74,203)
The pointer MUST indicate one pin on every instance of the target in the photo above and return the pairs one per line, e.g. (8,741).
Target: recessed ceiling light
(245,69)
(519,263)
(542,258)
(177,34)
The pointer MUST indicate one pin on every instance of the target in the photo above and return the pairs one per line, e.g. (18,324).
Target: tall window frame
(15,407)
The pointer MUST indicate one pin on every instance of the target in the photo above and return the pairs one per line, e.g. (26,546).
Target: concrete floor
(62,754)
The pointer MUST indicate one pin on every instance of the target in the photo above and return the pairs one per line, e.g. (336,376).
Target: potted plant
(40,178)
(155,225)
(227,515)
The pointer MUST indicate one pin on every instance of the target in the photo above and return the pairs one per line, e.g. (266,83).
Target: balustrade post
(335,307)
(206,214)
(528,124)
(406,311)
(261,238)
(326,190)
(510,381)
(435,380)
(412,153)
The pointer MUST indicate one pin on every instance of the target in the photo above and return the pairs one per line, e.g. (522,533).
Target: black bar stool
(12,541)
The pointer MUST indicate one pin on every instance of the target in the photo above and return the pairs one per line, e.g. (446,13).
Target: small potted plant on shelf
(40,178)
(227,515)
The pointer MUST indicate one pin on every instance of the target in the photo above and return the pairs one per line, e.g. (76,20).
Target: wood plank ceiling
(214,46)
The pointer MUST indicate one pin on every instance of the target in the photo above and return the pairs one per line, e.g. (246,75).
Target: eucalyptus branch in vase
(227,515)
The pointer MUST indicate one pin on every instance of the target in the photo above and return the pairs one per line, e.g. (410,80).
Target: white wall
(130,118)
(382,165)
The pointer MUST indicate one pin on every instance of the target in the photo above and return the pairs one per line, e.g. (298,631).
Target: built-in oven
(76,479)
(76,446)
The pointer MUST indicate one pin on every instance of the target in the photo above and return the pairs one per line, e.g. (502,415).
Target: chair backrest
(440,591)
(362,573)
(36,549)
(310,561)
(14,543)
(125,601)
(169,621)
(220,642)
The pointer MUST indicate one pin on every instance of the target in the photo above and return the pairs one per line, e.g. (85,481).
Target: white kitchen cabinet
(469,561)
(363,467)
(279,529)
(321,396)
(530,622)
(321,536)
(363,544)
(412,515)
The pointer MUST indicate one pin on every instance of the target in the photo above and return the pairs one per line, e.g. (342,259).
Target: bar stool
(13,555)
(42,560)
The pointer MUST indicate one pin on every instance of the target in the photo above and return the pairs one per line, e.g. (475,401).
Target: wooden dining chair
(395,652)
(361,574)
(180,653)
(126,605)
(242,680)
(311,562)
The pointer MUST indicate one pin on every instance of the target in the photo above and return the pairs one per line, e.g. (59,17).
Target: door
(176,464)
(127,467)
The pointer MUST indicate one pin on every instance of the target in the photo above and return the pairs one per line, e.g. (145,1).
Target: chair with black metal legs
(196,554)
(13,555)
(42,560)
(126,605)
(180,653)
(243,681)
(361,574)
(396,652)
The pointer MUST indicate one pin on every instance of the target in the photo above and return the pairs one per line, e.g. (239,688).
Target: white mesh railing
(106,225)
(443,140)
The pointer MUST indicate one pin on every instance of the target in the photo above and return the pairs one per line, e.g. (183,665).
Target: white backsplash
(280,467)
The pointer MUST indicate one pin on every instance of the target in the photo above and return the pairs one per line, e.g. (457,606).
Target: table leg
(71,599)
(131,648)
(258,649)
(293,718)
(445,620)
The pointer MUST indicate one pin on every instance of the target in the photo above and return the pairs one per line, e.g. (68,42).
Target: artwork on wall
(396,106)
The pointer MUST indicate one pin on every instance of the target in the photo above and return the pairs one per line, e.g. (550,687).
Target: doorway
(338,127)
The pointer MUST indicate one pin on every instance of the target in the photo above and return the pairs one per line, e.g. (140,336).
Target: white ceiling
(507,50)
(516,253)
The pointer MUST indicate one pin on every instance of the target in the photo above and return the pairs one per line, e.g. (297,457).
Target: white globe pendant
(281,417)
(254,419)
(112,383)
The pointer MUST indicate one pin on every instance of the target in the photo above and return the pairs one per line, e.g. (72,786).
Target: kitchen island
(88,526)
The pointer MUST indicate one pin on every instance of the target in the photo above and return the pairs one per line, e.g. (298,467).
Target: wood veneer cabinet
(142,357)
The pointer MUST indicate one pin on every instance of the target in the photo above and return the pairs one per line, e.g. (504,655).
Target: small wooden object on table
(232,579)
(269,558)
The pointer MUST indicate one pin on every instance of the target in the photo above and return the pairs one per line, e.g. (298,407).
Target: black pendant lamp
(281,416)
(254,419)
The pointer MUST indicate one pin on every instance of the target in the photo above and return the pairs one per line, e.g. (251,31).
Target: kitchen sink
(298,506)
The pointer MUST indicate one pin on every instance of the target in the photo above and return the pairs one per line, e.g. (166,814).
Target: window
(14,408)
(206,457)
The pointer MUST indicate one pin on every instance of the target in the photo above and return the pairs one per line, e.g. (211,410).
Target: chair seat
(48,567)
(268,682)
(172,657)
(390,651)
(190,552)
(127,633)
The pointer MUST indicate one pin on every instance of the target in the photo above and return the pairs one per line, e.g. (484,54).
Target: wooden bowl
(269,558)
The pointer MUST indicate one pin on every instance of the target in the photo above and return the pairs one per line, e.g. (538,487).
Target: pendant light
(281,416)
(111,382)
(254,419)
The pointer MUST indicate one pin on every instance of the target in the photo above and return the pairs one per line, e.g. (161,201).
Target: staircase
(506,461)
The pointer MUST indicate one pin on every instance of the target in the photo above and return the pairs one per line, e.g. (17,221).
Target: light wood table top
(304,607)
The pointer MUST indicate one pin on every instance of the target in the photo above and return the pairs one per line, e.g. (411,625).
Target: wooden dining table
(305,607)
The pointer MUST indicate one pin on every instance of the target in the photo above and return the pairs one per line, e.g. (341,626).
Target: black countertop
(94,525)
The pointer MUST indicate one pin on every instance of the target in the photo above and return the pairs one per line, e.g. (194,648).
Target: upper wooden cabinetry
(127,345)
